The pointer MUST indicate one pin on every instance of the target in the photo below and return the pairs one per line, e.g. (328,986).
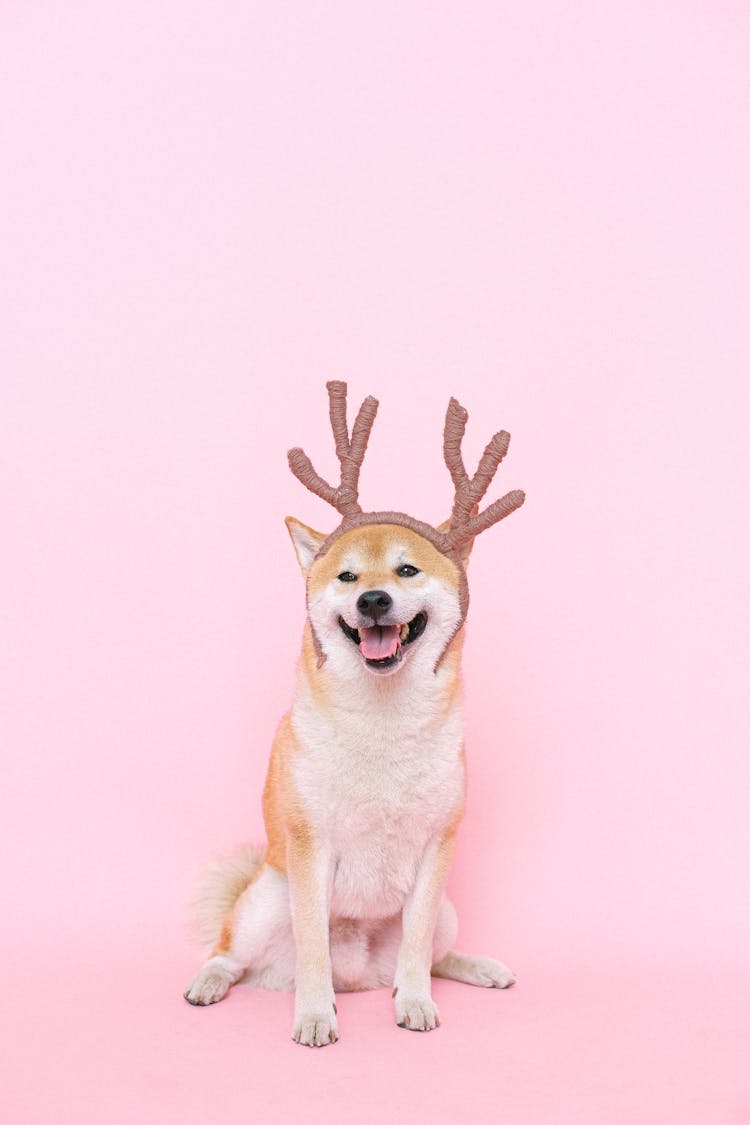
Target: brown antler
(464,525)
(350,453)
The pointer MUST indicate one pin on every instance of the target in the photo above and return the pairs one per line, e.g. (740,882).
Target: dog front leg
(415,1008)
(308,870)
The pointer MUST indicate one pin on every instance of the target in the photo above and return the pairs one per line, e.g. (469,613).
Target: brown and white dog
(365,786)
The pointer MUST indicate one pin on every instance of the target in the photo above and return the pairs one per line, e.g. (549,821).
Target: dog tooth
(404,632)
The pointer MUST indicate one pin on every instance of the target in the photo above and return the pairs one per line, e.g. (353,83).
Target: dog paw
(315,1028)
(209,986)
(484,972)
(492,974)
(416,1011)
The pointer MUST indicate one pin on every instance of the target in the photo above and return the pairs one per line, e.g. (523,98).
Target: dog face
(382,596)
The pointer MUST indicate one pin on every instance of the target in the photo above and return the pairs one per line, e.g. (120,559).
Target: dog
(366,780)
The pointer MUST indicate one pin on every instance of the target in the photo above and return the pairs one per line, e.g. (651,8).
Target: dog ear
(465,550)
(306,542)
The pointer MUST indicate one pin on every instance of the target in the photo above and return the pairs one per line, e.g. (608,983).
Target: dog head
(382,580)
(381,595)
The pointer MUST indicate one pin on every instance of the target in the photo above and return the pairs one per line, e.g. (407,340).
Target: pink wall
(210,210)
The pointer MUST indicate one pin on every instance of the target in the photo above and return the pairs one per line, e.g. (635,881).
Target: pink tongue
(379,641)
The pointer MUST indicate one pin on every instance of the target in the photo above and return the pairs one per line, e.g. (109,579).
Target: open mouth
(382,645)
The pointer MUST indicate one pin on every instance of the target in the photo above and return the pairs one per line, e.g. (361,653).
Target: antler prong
(456,418)
(488,465)
(495,512)
(301,466)
(337,411)
(362,428)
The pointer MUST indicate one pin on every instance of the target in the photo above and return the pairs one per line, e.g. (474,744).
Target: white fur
(220,886)
(382,774)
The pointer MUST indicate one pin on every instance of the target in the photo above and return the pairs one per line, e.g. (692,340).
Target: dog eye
(407,571)
(347,576)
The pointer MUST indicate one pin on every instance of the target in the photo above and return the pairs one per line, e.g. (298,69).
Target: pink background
(207,211)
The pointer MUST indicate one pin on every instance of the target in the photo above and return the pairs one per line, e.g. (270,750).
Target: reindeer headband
(465,521)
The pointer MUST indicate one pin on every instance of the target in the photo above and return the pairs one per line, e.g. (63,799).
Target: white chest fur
(379,776)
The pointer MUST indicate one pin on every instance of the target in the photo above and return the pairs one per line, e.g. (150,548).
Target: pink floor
(115,1043)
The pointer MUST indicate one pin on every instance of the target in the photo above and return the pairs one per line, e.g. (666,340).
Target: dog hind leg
(251,933)
(482,971)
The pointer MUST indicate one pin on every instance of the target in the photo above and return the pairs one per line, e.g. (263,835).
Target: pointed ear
(306,542)
(465,550)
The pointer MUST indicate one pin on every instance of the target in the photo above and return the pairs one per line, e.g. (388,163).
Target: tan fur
(276,796)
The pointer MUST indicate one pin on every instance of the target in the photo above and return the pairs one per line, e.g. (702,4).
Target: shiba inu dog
(365,786)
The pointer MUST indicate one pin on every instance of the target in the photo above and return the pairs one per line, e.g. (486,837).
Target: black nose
(374,603)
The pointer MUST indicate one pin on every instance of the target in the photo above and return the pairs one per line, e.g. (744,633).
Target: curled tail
(220,887)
